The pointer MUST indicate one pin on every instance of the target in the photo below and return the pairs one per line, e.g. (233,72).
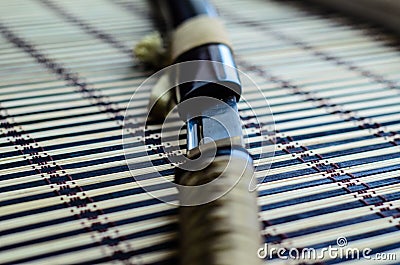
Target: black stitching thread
(43,163)
(331,171)
(63,73)
(307,47)
(89,29)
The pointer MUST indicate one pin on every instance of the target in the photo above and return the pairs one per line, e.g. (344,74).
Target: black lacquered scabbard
(223,229)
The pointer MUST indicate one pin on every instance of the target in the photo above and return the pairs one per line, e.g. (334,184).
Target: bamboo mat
(67,75)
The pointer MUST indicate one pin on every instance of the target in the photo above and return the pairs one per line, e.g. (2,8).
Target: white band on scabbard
(192,33)
(198,31)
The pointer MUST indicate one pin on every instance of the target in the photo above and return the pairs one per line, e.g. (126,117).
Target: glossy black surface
(214,75)
(174,12)
(220,81)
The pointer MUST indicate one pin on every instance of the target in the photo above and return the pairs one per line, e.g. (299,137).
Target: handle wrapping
(226,230)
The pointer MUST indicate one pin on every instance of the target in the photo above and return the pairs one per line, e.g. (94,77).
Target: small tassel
(150,51)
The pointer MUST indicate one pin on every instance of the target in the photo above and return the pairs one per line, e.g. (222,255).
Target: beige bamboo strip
(55,245)
(71,226)
(304,207)
(324,219)
(40,217)
(332,234)
(72,160)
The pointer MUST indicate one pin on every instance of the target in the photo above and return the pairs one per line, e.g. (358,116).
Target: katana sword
(218,217)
